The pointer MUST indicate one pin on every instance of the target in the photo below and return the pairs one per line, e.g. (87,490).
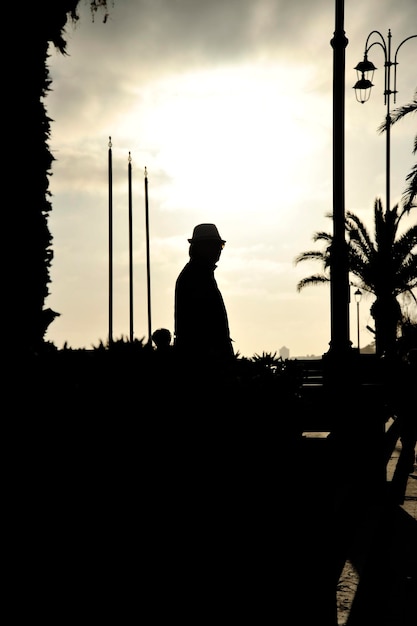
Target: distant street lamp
(358,297)
(365,71)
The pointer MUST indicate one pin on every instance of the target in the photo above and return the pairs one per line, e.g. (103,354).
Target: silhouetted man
(202,336)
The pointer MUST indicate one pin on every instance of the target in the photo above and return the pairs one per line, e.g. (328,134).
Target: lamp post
(358,296)
(365,72)
(339,269)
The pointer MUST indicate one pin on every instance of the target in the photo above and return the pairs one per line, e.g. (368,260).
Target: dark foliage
(383,265)
(30,161)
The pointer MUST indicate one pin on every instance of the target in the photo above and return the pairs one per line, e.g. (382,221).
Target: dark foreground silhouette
(204,505)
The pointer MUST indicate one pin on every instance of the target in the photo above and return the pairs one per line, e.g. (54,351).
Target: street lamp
(365,71)
(358,296)
(339,268)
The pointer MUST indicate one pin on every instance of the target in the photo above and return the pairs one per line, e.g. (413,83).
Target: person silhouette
(162,339)
(201,333)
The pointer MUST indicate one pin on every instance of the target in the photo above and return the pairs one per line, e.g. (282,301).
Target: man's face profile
(209,250)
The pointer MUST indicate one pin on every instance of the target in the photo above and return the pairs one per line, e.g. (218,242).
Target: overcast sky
(228,104)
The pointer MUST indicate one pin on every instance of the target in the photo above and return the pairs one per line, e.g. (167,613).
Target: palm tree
(410,193)
(385,267)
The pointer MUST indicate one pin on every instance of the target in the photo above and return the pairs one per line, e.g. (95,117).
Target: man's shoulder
(185,271)
(191,269)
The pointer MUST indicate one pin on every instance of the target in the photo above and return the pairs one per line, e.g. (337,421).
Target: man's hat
(206,232)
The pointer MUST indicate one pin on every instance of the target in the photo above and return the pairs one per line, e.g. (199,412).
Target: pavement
(378,585)
(410,500)
(226,532)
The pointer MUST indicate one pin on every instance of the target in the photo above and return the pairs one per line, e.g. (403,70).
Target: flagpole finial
(129,158)
(109,142)
(146,172)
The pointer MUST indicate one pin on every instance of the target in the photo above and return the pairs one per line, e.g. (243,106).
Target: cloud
(228,103)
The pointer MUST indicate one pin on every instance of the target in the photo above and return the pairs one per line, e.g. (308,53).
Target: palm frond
(358,237)
(315,255)
(399,113)
(410,192)
(316,279)
(322,236)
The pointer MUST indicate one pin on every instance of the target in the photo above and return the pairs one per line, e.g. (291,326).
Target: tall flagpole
(148,259)
(110,175)
(129,172)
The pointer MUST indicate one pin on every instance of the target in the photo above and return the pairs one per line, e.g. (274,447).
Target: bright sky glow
(231,112)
